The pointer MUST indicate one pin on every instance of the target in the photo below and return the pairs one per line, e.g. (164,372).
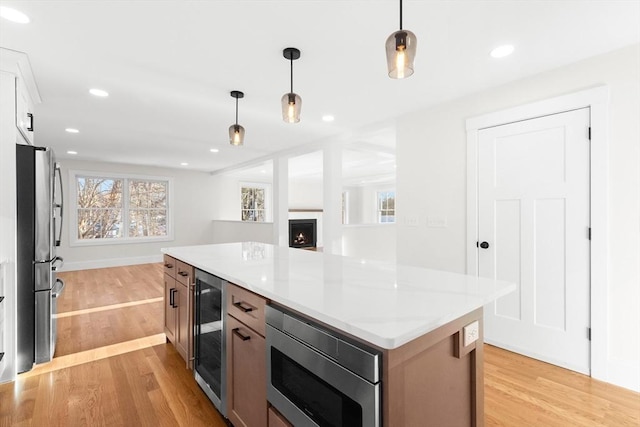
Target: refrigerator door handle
(57,289)
(61,204)
(55,266)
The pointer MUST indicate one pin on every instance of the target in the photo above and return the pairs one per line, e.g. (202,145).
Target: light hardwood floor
(114,368)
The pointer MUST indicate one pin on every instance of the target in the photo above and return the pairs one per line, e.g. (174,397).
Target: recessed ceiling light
(328,118)
(502,51)
(72,152)
(72,130)
(99,92)
(14,15)
(214,150)
(184,164)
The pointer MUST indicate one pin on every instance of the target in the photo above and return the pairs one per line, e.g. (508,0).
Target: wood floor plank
(114,368)
(97,329)
(520,391)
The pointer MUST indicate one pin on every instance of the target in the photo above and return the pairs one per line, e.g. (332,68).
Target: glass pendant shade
(291,106)
(236,135)
(401,52)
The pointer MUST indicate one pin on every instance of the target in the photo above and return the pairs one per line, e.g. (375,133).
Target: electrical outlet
(437,221)
(411,221)
(471,333)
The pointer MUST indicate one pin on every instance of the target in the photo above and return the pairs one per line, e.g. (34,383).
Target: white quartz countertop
(382,303)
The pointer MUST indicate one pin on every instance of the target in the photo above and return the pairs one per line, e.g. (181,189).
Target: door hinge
(589,233)
(589,133)
(589,334)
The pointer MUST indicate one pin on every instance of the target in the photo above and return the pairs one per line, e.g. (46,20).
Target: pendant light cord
(291,73)
(236,111)
(400,14)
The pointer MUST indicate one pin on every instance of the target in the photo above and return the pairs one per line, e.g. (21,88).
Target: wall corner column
(281,201)
(332,199)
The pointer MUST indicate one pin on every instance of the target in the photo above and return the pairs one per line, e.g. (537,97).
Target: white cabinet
(24,111)
(16,82)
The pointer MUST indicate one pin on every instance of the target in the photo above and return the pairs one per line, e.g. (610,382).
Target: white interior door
(533,213)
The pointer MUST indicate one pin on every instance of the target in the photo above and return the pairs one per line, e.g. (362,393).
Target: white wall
(370,241)
(226,197)
(241,231)
(431,182)
(304,194)
(193,204)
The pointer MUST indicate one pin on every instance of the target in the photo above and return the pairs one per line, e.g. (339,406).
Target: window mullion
(125,207)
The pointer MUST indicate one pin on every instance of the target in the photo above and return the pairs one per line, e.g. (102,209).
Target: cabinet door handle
(171,297)
(246,307)
(30,122)
(183,273)
(236,332)
(168,265)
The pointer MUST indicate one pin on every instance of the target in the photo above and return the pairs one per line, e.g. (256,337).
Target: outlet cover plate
(471,333)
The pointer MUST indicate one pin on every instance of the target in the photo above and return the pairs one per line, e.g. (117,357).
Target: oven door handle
(237,333)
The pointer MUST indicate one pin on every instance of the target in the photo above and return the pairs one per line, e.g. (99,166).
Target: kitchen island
(427,324)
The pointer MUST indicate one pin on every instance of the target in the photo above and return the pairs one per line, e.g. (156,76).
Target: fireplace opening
(302,233)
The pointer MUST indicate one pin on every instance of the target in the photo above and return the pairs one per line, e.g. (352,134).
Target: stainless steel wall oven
(209,338)
(316,377)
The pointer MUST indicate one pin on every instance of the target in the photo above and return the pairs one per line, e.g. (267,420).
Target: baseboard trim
(619,372)
(624,374)
(110,262)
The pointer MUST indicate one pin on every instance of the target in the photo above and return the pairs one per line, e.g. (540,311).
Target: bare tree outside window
(253,206)
(115,208)
(99,208)
(147,208)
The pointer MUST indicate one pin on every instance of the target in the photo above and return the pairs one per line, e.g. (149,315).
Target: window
(111,208)
(386,206)
(253,206)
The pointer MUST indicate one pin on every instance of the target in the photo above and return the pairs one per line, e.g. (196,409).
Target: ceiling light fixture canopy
(401,52)
(291,102)
(236,132)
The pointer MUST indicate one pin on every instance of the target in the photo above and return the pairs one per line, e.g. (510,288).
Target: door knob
(484,245)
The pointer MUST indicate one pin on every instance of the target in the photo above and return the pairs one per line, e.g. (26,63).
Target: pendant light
(236,132)
(401,51)
(291,102)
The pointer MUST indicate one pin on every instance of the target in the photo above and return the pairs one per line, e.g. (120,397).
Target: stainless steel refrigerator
(39,230)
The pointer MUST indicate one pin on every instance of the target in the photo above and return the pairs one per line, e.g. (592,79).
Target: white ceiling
(169,67)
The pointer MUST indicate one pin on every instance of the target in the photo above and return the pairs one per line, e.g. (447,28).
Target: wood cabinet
(435,380)
(246,358)
(276,419)
(169,308)
(178,307)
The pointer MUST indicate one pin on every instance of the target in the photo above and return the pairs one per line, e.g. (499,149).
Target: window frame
(267,199)
(378,208)
(72,199)
(345,207)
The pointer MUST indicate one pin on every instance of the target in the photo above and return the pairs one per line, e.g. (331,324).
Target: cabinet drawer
(277,420)
(247,307)
(184,273)
(170,266)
